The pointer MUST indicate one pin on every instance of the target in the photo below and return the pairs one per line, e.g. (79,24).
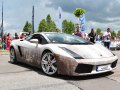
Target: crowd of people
(7,38)
(92,37)
(104,39)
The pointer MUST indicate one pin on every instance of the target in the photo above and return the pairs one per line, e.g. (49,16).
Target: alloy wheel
(48,63)
(12,55)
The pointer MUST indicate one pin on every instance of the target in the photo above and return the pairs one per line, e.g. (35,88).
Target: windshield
(28,37)
(66,39)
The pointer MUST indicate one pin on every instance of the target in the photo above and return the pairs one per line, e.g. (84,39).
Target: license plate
(103,67)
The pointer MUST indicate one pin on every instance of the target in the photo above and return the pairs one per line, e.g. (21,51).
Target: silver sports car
(60,53)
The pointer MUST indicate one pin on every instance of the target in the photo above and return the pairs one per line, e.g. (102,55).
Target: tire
(13,56)
(48,63)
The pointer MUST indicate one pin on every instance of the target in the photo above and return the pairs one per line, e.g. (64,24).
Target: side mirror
(34,41)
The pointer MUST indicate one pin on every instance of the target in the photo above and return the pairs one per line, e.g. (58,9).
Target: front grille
(113,65)
(84,68)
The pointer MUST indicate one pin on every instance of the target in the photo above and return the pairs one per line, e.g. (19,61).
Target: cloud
(13,31)
(100,12)
(17,12)
(4,23)
(95,10)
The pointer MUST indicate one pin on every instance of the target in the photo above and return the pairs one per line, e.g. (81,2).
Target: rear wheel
(12,55)
(48,63)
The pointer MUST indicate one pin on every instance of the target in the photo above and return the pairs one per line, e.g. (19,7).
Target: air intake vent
(84,68)
(113,65)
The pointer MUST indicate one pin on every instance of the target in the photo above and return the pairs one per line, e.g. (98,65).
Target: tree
(27,27)
(42,26)
(68,27)
(113,33)
(98,31)
(48,21)
(71,27)
(51,26)
(47,25)
(78,12)
(64,26)
(118,33)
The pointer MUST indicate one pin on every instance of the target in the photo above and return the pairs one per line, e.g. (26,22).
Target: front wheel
(12,55)
(48,63)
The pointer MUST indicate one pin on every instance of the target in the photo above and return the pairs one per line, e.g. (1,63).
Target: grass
(4,52)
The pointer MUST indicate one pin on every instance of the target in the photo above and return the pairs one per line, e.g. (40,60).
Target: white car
(62,54)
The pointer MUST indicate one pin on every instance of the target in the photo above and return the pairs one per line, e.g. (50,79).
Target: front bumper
(86,69)
(72,67)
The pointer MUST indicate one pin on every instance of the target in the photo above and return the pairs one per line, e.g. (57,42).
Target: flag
(60,18)
(59,15)
(82,20)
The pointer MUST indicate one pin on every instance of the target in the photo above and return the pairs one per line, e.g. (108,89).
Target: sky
(99,13)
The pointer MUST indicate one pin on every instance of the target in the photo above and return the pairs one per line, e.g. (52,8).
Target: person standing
(22,36)
(0,43)
(4,41)
(92,36)
(78,33)
(29,33)
(16,36)
(8,41)
(107,38)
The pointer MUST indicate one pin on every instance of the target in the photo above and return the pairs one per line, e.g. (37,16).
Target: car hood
(89,51)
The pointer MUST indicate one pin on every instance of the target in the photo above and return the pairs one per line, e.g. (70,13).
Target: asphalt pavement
(24,77)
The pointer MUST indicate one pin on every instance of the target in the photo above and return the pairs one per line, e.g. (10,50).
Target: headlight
(73,54)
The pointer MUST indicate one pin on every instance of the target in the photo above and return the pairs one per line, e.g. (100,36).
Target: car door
(32,51)
(23,45)
(29,50)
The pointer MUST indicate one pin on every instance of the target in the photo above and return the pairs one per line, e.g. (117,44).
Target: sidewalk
(4,52)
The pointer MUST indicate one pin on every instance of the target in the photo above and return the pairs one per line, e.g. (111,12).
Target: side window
(28,38)
(36,36)
(43,40)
